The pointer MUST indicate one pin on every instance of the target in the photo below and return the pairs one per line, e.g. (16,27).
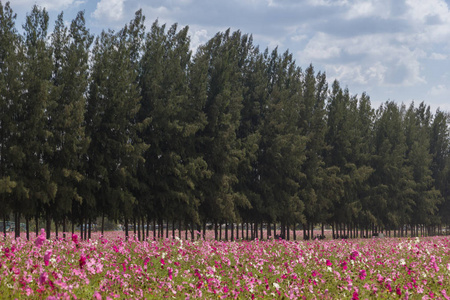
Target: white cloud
(109,10)
(198,38)
(439,90)
(438,56)
(361,9)
(299,38)
(50,5)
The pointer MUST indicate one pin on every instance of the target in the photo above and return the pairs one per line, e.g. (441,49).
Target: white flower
(276,285)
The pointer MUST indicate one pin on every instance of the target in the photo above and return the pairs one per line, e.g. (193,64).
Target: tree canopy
(137,124)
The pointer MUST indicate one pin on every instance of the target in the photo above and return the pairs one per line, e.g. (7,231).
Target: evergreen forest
(136,127)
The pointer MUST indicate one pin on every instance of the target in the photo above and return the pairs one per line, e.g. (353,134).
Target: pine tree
(115,149)
(70,80)
(426,197)
(392,181)
(173,168)
(255,97)
(10,90)
(38,189)
(218,140)
(282,148)
(319,188)
(440,165)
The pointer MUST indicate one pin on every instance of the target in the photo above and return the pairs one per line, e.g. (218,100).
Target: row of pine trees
(134,127)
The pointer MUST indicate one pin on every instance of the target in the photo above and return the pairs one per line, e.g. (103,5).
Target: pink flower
(97,296)
(344,265)
(40,239)
(398,291)
(354,255)
(362,274)
(355,296)
(43,278)
(6,250)
(47,256)
(82,261)
(329,263)
(444,293)
(75,238)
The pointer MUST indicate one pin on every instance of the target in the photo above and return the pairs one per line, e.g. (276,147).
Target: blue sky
(392,49)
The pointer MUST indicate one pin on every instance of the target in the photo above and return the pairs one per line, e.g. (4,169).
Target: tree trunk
(246,230)
(138,223)
(27,226)
(226,231)
(64,228)
(232,230)
(215,231)
(4,226)
(48,226)
(126,228)
(147,230)
(261,231)
(103,223)
(294,232)
(173,228)
(56,229)
(90,228)
(37,225)
(167,228)
(81,228)
(17,225)
(204,230)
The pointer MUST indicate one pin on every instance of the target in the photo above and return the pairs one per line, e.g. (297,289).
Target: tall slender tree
(39,188)
(112,124)
(282,148)
(172,166)
(70,79)
(219,143)
(10,90)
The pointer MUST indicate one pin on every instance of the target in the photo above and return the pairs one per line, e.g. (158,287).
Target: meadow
(110,267)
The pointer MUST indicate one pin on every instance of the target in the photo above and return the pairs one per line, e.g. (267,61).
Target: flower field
(110,267)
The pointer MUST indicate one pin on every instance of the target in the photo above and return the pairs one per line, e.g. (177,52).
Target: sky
(394,50)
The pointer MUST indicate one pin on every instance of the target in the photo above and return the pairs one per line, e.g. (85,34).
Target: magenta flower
(355,296)
(47,256)
(170,272)
(97,296)
(6,250)
(43,278)
(354,255)
(344,265)
(362,274)
(82,261)
(329,263)
(75,238)
(40,239)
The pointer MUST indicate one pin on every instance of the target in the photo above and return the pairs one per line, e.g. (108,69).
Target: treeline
(134,127)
